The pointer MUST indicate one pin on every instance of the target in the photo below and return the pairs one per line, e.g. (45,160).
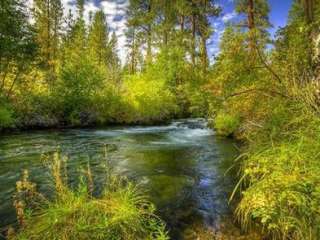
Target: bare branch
(263,90)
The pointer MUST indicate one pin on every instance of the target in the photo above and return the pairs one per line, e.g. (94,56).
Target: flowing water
(182,167)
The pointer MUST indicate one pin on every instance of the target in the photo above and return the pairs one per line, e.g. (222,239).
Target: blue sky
(278,18)
(116,9)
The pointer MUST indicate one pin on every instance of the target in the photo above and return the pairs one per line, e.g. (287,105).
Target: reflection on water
(182,166)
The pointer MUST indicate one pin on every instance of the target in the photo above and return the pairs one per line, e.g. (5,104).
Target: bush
(226,124)
(121,212)
(6,119)
(149,99)
(283,195)
(79,80)
(282,175)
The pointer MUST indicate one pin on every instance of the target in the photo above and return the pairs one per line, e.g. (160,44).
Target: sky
(115,11)
(279,10)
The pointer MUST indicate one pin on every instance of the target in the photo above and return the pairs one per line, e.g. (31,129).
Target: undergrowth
(280,172)
(120,212)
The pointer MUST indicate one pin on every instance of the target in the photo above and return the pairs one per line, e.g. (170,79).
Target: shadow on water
(181,166)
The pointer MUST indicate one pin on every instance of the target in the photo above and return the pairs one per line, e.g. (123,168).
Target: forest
(262,90)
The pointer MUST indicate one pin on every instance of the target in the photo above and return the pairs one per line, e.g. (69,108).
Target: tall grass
(280,172)
(121,212)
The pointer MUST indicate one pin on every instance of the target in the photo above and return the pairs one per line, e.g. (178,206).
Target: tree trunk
(133,54)
(149,47)
(48,33)
(251,25)
(204,54)
(309,10)
(13,83)
(166,18)
(193,40)
(314,36)
(251,15)
(182,18)
(149,36)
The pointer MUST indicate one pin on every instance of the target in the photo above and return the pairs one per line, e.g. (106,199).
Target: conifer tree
(48,19)
(257,19)
(98,38)
(141,17)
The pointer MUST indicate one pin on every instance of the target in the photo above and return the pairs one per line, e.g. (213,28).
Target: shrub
(6,119)
(226,124)
(283,195)
(79,80)
(282,175)
(149,99)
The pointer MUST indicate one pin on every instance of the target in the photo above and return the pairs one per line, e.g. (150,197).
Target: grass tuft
(121,212)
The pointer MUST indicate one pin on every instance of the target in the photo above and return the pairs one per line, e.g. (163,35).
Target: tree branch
(13,83)
(258,90)
(264,62)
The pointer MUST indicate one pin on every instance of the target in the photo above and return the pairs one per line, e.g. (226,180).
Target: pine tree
(207,9)
(98,38)
(83,70)
(141,17)
(48,19)
(257,19)
(133,50)
(113,57)
(114,65)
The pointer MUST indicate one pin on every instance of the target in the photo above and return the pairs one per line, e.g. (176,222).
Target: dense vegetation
(269,97)
(61,70)
(262,90)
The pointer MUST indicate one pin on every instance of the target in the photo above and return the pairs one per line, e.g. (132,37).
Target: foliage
(226,124)
(282,193)
(274,95)
(69,75)
(80,81)
(148,99)
(121,212)
(6,118)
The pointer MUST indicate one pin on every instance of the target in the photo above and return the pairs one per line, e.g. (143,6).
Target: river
(182,166)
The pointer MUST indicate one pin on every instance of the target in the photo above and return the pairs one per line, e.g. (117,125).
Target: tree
(207,10)
(82,71)
(133,50)
(257,19)
(17,47)
(48,19)
(141,17)
(311,14)
(296,44)
(98,39)
(113,48)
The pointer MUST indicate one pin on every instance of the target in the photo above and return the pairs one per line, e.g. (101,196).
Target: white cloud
(89,7)
(229,16)
(68,5)
(115,11)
